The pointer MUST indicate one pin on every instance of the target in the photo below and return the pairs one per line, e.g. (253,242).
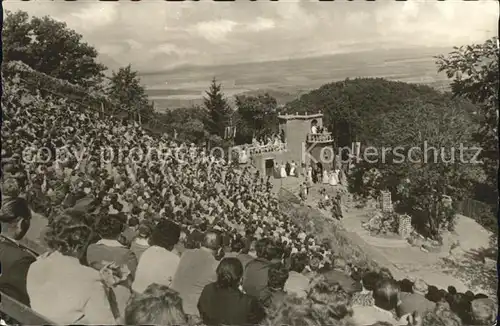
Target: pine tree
(218,111)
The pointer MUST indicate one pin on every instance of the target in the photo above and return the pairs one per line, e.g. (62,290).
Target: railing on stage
(255,150)
(325,137)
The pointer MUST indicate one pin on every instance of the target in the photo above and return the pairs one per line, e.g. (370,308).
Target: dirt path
(433,267)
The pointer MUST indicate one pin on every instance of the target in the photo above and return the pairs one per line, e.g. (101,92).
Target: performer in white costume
(333,179)
(326,179)
(337,176)
(309,176)
(243,157)
(282,170)
(293,168)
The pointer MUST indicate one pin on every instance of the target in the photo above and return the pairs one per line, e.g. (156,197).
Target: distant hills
(286,79)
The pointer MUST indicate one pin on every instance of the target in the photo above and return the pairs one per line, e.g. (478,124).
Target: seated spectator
(158,263)
(196,270)
(483,312)
(248,253)
(365,297)
(330,300)
(406,285)
(158,305)
(15,218)
(385,295)
(237,246)
(256,271)
(223,303)
(297,283)
(416,301)
(141,241)
(469,295)
(385,273)
(109,249)
(340,274)
(277,277)
(62,289)
(357,277)
(293,311)
(439,317)
(461,305)
(432,294)
(297,311)
(442,295)
(130,232)
(10,186)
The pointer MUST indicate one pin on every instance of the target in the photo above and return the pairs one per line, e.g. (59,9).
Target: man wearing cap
(15,217)
(416,301)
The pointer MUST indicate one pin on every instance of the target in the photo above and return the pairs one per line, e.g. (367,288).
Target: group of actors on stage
(313,174)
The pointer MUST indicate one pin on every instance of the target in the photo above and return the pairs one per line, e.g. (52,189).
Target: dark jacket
(255,277)
(347,283)
(15,262)
(244,259)
(411,302)
(227,306)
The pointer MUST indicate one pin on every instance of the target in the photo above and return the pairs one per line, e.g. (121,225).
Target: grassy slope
(345,244)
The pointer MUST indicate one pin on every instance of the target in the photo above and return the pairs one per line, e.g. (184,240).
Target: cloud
(96,16)
(261,24)
(169,48)
(147,33)
(215,30)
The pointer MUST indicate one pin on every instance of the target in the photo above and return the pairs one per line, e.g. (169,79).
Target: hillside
(352,106)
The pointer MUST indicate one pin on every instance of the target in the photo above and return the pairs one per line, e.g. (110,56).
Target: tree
(419,185)
(49,46)
(474,69)
(257,115)
(126,91)
(186,123)
(218,112)
(351,107)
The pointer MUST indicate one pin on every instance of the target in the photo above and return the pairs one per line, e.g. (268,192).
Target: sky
(156,35)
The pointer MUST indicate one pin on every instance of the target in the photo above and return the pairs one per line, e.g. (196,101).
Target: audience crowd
(176,237)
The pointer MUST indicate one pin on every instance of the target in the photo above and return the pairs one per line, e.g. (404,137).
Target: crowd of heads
(192,198)
(188,185)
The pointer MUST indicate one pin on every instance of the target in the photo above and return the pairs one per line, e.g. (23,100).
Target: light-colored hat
(420,286)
